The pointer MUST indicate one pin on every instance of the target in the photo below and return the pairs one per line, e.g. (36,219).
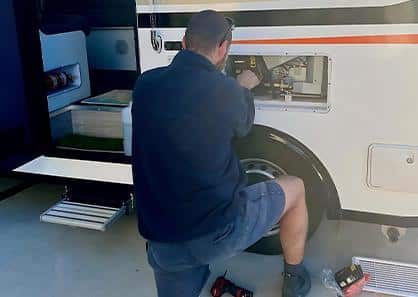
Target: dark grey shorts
(182,269)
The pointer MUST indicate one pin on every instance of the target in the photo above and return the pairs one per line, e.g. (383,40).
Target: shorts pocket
(254,192)
(224,233)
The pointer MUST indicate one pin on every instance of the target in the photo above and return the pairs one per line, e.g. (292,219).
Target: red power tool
(223,286)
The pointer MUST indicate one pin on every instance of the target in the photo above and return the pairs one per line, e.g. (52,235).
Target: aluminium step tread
(89,216)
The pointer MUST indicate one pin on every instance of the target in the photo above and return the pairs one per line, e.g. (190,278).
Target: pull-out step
(82,215)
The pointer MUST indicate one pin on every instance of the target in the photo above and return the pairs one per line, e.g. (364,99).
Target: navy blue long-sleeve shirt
(186,174)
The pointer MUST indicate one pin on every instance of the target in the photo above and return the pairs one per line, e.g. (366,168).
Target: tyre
(267,153)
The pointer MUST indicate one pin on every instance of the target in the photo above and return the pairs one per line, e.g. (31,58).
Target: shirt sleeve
(246,113)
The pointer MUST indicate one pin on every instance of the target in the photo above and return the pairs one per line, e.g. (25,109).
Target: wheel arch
(331,201)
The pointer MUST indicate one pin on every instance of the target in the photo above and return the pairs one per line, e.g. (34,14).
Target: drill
(223,286)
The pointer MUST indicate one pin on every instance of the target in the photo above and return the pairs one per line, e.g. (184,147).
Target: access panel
(393,168)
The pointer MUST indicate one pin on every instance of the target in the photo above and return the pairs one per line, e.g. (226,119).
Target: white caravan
(337,105)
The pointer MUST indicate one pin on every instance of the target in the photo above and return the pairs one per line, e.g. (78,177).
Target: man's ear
(224,48)
(183,42)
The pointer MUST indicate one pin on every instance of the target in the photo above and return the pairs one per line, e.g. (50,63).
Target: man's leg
(176,272)
(294,221)
(293,232)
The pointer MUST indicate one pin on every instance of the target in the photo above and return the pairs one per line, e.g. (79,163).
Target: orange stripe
(373,39)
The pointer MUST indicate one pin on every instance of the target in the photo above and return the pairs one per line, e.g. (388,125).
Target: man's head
(209,34)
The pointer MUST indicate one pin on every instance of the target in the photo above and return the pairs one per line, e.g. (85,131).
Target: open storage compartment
(288,81)
(62,121)
(88,128)
(89,56)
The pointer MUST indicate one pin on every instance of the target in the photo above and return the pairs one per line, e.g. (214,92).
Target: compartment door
(393,168)
(22,114)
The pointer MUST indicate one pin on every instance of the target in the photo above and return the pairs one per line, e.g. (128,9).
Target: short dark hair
(207,30)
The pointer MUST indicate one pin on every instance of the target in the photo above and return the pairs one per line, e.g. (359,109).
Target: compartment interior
(81,127)
(287,79)
(90,64)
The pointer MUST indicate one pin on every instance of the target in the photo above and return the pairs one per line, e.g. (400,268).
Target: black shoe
(296,285)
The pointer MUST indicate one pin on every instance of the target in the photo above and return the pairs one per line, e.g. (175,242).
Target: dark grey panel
(100,13)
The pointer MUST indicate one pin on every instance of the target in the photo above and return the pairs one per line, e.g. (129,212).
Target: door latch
(156,41)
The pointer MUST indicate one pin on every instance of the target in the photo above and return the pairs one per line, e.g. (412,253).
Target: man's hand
(248,79)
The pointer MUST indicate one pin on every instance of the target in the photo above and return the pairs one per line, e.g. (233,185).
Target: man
(192,200)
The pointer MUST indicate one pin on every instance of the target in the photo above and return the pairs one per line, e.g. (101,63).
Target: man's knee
(294,190)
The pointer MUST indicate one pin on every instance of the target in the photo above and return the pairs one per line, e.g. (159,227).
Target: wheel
(265,154)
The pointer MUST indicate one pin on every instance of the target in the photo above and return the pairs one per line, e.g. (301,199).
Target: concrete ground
(45,260)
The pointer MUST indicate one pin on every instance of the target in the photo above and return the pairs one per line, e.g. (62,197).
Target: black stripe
(79,213)
(403,13)
(63,217)
(374,218)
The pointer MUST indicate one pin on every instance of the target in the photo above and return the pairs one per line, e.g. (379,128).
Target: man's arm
(247,113)
(248,80)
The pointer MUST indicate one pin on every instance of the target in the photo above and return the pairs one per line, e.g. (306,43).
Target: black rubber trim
(403,13)
(374,218)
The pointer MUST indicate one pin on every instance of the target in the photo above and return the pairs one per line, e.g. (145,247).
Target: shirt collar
(193,59)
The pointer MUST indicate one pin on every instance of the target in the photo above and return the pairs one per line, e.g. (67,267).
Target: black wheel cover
(295,159)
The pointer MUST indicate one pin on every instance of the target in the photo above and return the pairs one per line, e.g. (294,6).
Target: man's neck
(209,57)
